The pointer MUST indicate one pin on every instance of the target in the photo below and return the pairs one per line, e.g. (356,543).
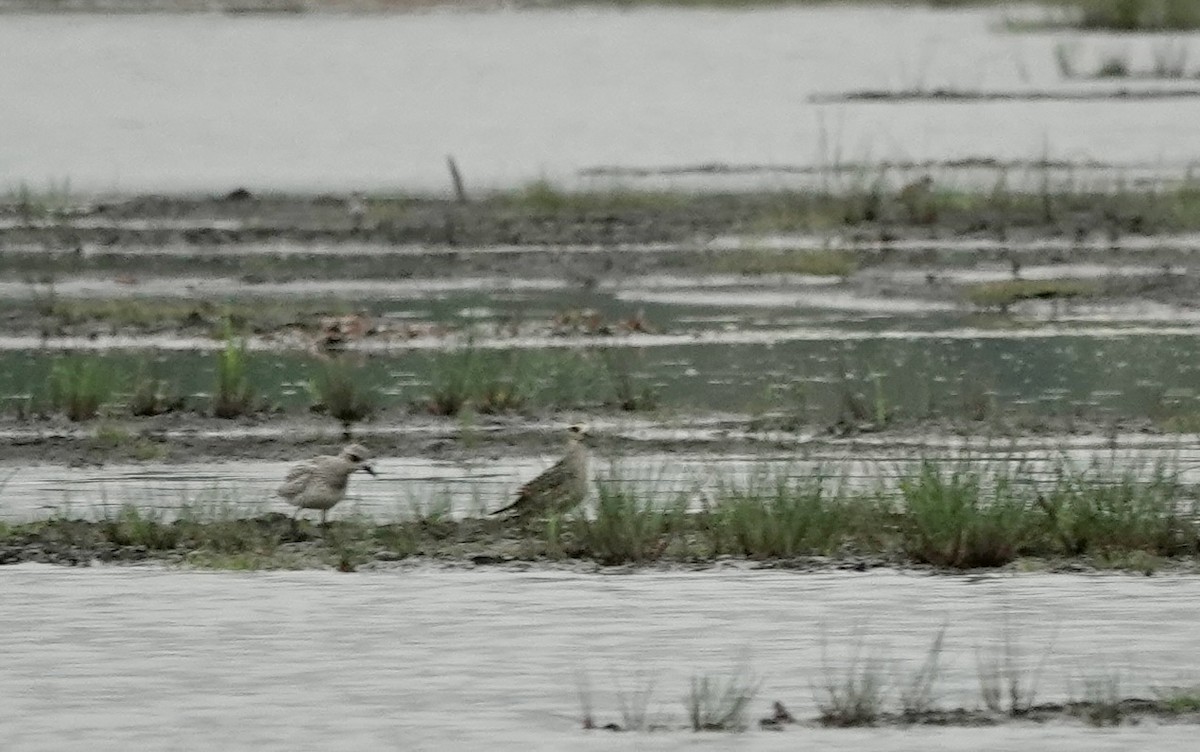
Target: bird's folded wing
(297,478)
(548,481)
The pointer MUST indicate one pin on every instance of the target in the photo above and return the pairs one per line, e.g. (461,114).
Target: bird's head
(360,456)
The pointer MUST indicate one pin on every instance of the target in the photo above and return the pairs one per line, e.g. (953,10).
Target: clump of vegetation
(1170,60)
(856,697)
(485,381)
(779,517)
(452,382)
(1102,700)
(133,526)
(917,695)
(1114,66)
(715,704)
(31,204)
(337,390)
(1006,685)
(1003,294)
(200,533)
(495,382)
(632,707)
(626,528)
(952,520)
(1137,15)
(233,395)
(1065,58)
(1119,514)
(79,386)
(151,395)
(1179,700)
(819,262)
(630,392)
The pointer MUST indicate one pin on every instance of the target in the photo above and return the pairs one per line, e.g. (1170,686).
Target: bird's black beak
(370,470)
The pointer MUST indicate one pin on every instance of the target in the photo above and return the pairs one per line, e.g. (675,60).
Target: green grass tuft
(1008,292)
(151,395)
(1137,15)
(825,263)
(779,517)
(627,528)
(79,386)
(1103,516)
(233,395)
(337,391)
(1179,700)
(952,520)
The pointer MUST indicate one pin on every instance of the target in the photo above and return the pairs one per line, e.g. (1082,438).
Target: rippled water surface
(140,658)
(208,102)
(921,370)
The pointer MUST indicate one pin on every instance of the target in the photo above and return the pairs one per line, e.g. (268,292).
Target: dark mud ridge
(1180,708)
(541,214)
(963,95)
(186,437)
(625,540)
(276,541)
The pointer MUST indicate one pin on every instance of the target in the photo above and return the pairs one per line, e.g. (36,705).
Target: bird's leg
(324,522)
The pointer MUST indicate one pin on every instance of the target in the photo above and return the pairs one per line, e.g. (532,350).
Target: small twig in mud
(460,191)
(583,690)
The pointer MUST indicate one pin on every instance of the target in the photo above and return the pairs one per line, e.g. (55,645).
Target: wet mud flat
(183,265)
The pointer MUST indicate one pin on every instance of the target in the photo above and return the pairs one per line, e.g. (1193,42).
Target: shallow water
(408,486)
(209,102)
(119,658)
(783,360)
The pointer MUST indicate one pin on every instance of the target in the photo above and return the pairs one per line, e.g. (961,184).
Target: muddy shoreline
(275,541)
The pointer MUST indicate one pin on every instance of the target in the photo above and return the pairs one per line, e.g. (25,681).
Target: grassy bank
(950,516)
